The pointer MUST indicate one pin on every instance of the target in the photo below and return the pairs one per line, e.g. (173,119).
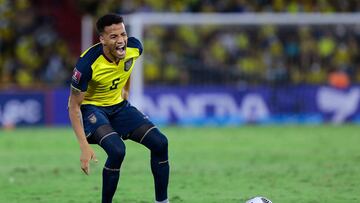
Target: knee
(117,152)
(115,149)
(115,157)
(161,145)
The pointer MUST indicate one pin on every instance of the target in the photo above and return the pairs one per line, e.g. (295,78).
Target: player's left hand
(85,157)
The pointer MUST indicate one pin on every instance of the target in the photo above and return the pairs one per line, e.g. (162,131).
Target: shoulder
(92,53)
(135,43)
(88,57)
(83,72)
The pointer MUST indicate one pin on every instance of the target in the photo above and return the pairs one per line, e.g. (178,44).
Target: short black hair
(108,20)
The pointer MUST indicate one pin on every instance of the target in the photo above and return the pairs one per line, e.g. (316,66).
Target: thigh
(93,118)
(127,119)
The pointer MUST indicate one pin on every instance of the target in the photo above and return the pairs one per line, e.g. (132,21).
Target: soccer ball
(259,200)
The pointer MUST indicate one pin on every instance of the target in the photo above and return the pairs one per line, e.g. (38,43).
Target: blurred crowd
(31,52)
(34,53)
(125,6)
(239,55)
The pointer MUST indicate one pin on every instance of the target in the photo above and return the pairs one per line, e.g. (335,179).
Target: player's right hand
(85,157)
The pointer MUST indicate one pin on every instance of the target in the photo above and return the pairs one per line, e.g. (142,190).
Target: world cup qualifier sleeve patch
(76,76)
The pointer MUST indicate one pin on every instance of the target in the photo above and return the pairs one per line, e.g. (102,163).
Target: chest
(107,74)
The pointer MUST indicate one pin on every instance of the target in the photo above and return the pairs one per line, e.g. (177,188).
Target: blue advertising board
(22,108)
(60,114)
(302,104)
(264,105)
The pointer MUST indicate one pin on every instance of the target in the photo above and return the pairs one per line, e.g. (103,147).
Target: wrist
(84,146)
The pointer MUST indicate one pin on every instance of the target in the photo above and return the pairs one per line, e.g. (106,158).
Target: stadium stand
(39,46)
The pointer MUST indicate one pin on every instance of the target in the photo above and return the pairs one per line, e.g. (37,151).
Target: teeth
(120,47)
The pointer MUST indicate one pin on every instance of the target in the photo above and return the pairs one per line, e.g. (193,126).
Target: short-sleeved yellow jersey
(103,80)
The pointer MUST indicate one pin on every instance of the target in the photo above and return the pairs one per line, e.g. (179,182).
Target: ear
(102,39)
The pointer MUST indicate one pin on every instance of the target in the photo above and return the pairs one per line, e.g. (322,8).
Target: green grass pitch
(302,164)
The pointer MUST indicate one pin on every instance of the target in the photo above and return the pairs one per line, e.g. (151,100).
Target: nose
(120,40)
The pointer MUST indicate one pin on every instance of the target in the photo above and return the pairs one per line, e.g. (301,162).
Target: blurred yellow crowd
(251,54)
(32,53)
(125,6)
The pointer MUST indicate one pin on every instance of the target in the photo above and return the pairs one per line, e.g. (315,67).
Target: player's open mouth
(120,49)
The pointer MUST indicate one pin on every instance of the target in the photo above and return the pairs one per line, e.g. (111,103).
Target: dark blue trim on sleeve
(83,73)
(135,43)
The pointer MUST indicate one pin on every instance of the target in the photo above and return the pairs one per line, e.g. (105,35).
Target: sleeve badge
(76,76)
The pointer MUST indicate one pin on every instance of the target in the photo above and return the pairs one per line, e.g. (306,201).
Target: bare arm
(126,90)
(75,100)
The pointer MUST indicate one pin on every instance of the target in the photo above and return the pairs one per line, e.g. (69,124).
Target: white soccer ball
(259,200)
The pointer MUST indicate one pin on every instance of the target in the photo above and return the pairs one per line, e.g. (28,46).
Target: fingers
(85,166)
(93,157)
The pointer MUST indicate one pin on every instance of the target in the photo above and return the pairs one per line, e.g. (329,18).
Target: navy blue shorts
(123,118)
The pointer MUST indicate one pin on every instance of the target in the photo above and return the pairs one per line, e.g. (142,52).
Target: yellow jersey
(103,80)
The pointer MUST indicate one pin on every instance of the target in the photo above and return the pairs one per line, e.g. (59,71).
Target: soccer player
(101,114)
